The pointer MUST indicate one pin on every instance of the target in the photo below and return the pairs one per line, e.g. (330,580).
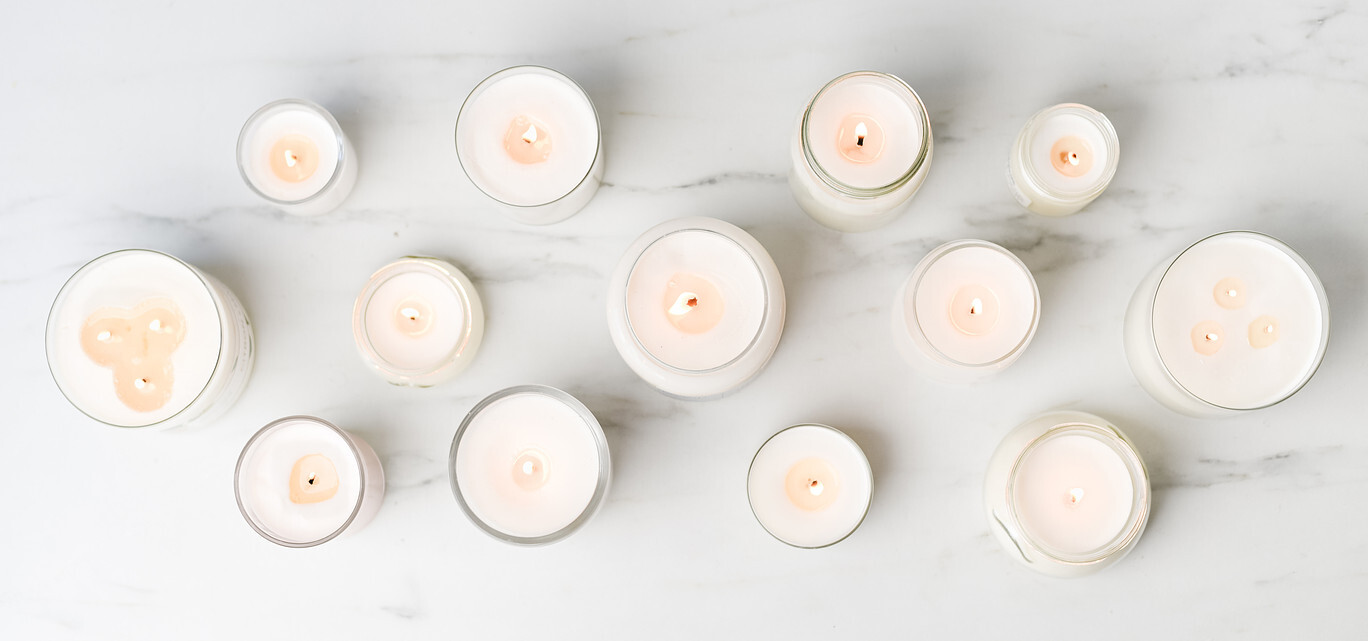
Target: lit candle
(1067,494)
(1063,159)
(418,321)
(528,137)
(810,486)
(861,150)
(301,481)
(294,154)
(1237,321)
(968,310)
(696,307)
(530,465)
(138,338)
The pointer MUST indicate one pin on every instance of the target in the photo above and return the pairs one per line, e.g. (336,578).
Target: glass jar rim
(867,192)
(316,109)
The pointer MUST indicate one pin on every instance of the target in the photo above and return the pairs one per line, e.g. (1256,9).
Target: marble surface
(119,121)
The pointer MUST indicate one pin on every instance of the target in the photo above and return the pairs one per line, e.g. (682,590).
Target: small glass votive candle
(418,322)
(810,486)
(1063,159)
(696,307)
(301,481)
(1067,494)
(862,148)
(294,154)
(140,339)
(528,137)
(1236,322)
(530,465)
(968,311)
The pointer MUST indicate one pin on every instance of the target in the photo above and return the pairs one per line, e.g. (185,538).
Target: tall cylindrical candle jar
(294,154)
(1066,494)
(137,338)
(528,137)
(810,485)
(302,481)
(418,321)
(1238,321)
(530,465)
(862,148)
(1063,159)
(696,307)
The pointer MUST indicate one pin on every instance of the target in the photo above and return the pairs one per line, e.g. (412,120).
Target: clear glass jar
(310,196)
(1024,178)
(810,486)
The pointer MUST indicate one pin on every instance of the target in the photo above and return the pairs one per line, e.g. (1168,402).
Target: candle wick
(291,159)
(693,302)
(1211,337)
(860,132)
(1075,495)
(312,478)
(976,307)
(815,487)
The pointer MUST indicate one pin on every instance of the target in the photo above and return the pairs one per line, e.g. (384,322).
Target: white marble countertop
(119,121)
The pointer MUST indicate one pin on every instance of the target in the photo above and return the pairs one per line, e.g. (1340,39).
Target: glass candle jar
(528,137)
(861,149)
(1066,494)
(1063,159)
(140,339)
(294,154)
(810,486)
(1238,321)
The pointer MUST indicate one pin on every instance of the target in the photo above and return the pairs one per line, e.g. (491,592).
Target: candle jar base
(1025,182)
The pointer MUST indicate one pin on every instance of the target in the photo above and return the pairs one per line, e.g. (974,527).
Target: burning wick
(1070,157)
(1211,337)
(1075,496)
(686,303)
(312,478)
(529,468)
(860,132)
(291,158)
(815,487)
(530,136)
(411,313)
(976,306)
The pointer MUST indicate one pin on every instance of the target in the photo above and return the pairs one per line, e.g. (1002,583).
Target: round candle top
(414,315)
(1239,320)
(695,299)
(134,337)
(1073,492)
(810,485)
(866,130)
(289,150)
(299,481)
(527,136)
(1071,149)
(975,302)
(527,464)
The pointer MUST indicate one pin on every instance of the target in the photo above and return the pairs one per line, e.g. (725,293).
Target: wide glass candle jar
(1236,322)
(137,338)
(861,149)
(418,321)
(302,481)
(294,154)
(528,137)
(1063,159)
(968,310)
(1066,494)
(696,307)
(810,485)
(530,465)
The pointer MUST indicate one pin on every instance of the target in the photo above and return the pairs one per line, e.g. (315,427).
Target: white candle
(696,307)
(294,154)
(530,465)
(968,310)
(861,150)
(528,137)
(810,486)
(1063,159)
(1067,494)
(138,338)
(1237,321)
(418,321)
(302,481)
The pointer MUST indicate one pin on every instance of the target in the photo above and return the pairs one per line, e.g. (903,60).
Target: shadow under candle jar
(1063,158)
(295,155)
(810,486)
(528,137)
(1238,321)
(696,307)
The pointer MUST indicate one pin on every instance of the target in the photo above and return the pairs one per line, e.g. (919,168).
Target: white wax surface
(543,96)
(930,303)
(429,349)
(280,122)
(715,258)
(890,104)
(1238,375)
(1046,478)
(264,481)
(790,523)
(124,280)
(490,447)
(1055,127)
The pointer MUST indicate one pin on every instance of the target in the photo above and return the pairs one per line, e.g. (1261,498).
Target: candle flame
(976,306)
(291,158)
(528,467)
(1075,496)
(411,313)
(1232,293)
(815,487)
(1268,329)
(1211,337)
(860,132)
(530,136)
(686,303)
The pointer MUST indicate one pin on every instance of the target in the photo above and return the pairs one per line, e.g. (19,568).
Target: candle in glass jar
(810,486)
(530,465)
(1063,158)
(294,154)
(528,137)
(418,321)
